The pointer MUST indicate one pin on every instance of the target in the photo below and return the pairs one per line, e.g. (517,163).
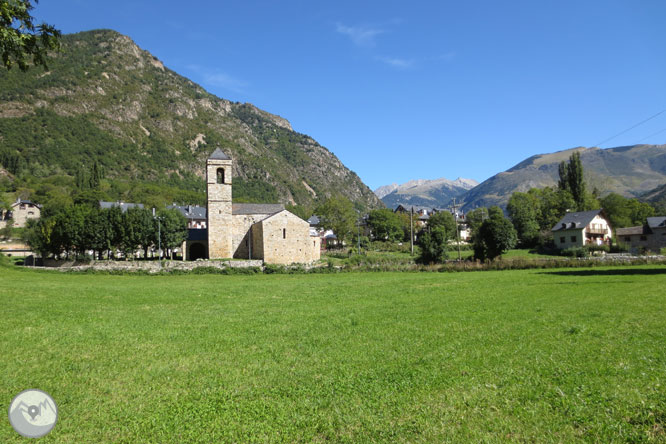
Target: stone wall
(286,240)
(241,225)
(150,266)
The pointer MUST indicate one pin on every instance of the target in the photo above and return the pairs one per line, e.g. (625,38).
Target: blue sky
(422,89)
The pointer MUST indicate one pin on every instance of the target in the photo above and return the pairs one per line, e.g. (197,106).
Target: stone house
(249,231)
(648,237)
(19,213)
(578,229)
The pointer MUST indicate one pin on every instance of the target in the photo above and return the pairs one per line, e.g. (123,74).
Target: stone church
(247,231)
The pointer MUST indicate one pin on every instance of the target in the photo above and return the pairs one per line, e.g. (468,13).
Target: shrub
(574,252)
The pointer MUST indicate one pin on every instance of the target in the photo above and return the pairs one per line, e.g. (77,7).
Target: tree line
(531,216)
(79,229)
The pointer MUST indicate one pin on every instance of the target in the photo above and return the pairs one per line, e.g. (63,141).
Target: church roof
(219,155)
(250,208)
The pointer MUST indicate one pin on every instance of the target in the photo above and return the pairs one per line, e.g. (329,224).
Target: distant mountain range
(630,171)
(423,192)
(627,170)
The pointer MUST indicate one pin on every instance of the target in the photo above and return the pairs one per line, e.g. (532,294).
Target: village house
(650,237)
(327,238)
(19,213)
(578,229)
(195,215)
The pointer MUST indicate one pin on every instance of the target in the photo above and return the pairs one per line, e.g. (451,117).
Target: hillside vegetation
(107,101)
(629,171)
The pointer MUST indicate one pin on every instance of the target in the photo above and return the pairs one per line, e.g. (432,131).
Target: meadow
(545,356)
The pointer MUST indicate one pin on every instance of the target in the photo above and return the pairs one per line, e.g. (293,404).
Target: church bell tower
(218,192)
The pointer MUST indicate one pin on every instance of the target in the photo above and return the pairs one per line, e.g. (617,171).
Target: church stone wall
(241,224)
(286,239)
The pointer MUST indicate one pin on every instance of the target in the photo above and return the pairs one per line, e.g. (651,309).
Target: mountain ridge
(627,170)
(424,192)
(106,100)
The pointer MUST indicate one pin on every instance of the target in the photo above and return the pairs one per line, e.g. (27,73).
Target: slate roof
(124,206)
(575,220)
(656,222)
(190,211)
(314,220)
(219,155)
(26,202)
(631,230)
(249,208)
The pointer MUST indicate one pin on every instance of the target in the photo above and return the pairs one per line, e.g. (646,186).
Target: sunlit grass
(524,356)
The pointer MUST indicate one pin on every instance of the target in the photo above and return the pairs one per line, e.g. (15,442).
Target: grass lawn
(558,356)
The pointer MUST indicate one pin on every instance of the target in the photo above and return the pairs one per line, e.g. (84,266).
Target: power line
(652,135)
(629,129)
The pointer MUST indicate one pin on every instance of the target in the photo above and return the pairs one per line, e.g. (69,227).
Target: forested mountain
(629,171)
(109,105)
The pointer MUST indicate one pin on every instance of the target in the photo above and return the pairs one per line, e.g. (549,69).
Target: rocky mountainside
(422,192)
(657,197)
(107,101)
(629,171)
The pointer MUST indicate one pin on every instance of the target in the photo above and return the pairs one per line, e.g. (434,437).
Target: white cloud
(215,77)
(360,35)
(396,62)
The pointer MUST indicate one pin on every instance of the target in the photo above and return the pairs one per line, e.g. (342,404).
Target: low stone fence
(149,266)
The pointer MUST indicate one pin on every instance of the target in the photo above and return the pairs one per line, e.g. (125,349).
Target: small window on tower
(284,233)
(220,175)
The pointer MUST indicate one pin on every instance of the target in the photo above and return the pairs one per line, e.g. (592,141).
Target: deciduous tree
(20,39)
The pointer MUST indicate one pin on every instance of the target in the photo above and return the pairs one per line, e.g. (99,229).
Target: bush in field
(495,236)
(433,244)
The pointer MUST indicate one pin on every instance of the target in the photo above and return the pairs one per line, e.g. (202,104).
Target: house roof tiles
(576,220)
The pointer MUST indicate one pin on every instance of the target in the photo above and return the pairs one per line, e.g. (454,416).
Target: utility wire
(651,135)
(629,129)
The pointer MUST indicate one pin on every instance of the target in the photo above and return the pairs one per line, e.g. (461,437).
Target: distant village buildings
(19,213)
(424,213)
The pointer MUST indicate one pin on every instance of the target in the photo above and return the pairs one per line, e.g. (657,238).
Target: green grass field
(559,356)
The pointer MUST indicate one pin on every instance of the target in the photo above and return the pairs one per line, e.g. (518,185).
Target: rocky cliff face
(107,100)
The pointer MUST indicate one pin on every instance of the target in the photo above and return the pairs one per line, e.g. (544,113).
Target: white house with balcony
(581,228)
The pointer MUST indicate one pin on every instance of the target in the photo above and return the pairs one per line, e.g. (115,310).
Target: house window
(643,238)
(284,233)
(573,238)
(562,240)
(627,238)
(220,175)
